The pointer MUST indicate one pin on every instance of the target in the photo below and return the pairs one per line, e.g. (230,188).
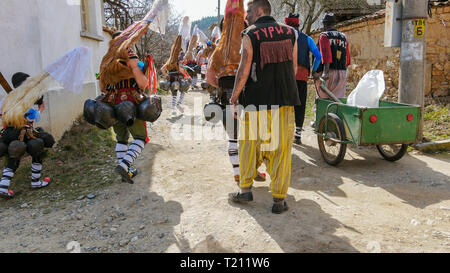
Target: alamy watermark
(215,122)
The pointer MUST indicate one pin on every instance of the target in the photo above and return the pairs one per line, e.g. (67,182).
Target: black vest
(272,76)
(338,43)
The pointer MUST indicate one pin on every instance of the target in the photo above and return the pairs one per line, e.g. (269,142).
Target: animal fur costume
(226,57)
(189,57)
(172,62)
(113,68)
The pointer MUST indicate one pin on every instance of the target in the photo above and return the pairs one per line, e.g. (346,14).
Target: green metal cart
(391,127)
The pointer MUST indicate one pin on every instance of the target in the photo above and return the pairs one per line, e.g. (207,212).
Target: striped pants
(266,137)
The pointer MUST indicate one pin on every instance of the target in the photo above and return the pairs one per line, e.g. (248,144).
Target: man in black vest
(335,52)
(306,45)
(267,75)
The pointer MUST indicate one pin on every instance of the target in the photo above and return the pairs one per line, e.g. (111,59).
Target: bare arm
(244,68)
(326,70)
(141,79)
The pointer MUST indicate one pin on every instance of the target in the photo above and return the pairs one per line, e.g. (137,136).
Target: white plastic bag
(368,91)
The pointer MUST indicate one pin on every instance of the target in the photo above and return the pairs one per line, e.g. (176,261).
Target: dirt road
(179,204)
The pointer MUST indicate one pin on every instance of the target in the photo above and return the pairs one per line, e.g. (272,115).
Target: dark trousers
(300,109)
(14,164)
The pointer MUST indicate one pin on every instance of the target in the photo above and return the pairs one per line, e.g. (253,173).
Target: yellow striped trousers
(266,136)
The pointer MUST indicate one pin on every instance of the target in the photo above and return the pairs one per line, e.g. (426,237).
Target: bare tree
(119,14)
(311,10)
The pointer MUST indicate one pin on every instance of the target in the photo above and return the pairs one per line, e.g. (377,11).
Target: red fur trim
(293,22)
(276,52)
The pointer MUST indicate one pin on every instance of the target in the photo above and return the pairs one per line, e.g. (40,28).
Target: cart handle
(329,93)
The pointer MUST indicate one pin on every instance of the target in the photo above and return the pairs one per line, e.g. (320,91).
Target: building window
(91,19)
(84,16)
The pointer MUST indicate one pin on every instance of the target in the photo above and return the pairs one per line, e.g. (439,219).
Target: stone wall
(366,38)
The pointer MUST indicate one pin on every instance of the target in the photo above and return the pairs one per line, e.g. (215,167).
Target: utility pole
(218,12)
(413,54)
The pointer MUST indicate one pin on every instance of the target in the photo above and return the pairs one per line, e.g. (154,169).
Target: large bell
(174,86)
(164,85)
(126,112)
(89,111)
(105,117)
(35,147)
(150,109)
(48,139)
(184,86)
(211,110)
(17,149)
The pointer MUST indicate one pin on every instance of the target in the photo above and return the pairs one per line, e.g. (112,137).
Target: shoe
(124,174)
(261,177)
(40,184)
(279,207)
(241,197)
(7,195)
(313,124)
(132,173)
(180,108)
(298,140)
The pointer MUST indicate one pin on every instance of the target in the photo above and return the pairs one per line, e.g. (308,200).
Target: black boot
(279,206)
(132,173)
(124,174)
(238,197)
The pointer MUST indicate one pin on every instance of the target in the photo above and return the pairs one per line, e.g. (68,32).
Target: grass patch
(80,164)
(436,122)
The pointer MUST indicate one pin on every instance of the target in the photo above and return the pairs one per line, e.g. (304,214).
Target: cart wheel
(332,152)
(392,152)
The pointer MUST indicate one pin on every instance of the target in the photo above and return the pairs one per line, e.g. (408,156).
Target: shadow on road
(314,230)
(409,179)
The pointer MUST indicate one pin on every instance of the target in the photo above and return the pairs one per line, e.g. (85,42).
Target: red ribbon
(151,74)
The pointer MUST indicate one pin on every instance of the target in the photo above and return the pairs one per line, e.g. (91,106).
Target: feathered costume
(113,68)
(172,62)
(226,57)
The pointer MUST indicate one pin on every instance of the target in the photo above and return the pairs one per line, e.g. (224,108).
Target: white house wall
(34,34)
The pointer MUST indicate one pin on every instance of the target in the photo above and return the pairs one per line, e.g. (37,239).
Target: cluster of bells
(104,116)
(16,148)
(182,85)
(215,107)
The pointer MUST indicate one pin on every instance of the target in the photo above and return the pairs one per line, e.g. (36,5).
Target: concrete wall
(34,34)
(366,38)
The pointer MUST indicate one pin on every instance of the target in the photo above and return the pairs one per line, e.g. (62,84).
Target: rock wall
(366,38)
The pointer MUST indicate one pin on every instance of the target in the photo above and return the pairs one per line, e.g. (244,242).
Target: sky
(197,9)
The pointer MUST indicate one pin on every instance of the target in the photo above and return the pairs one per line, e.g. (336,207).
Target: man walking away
(335,52)
(267,71)
(305,46)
